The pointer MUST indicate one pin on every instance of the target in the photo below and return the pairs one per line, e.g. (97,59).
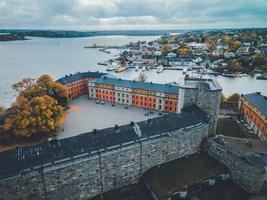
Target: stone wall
(86,176)
(206,99)
(248,175)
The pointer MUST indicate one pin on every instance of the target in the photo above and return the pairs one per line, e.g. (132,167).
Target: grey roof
(79,75)
(15,161)
(165,88)
(258,100)
(193,83)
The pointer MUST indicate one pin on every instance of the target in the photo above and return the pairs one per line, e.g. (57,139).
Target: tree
(29,117)
(223,98)
(166,48)
(23,84)
(233,98)
(142,77)
(44,85)
(2,110)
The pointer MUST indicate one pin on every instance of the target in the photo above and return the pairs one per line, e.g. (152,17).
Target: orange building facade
(77,83)
(254,108)
(152,96)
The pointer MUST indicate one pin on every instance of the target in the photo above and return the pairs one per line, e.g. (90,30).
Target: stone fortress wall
(246,160)
(86,176)
(84,173)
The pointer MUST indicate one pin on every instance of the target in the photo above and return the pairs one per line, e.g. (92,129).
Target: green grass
(182,173)
(229,127)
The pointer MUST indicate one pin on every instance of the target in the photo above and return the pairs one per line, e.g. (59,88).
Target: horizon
(104,15)
(107,30)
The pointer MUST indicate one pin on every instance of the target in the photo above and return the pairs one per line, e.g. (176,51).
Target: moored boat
(120,69)
(228,75)
(160,69)
(143,69)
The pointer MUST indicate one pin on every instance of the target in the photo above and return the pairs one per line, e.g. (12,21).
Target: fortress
(89,164)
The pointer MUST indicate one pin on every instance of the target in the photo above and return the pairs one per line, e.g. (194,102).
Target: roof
(78,76)
(183,174)
(90,143)
(258,100)
(192,83)
(164,88)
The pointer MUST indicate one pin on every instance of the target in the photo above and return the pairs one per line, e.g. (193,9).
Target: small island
(11,37)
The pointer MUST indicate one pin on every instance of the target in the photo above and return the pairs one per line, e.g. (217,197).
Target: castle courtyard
(85,115)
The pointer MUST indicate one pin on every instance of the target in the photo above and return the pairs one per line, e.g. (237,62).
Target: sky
(132,14)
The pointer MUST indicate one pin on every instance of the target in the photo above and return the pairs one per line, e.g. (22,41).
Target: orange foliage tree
(38,107)
(32,116)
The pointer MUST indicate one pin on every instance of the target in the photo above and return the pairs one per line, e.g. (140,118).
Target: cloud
(132,14)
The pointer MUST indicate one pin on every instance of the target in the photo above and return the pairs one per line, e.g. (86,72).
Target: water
(60,56)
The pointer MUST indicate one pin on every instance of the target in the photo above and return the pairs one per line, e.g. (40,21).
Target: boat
(99,63)
(228,75)
(185,70)
(160,69)
(120,69)
(95,46)
(104,50)
(136,68)
(143,69)
(261,77)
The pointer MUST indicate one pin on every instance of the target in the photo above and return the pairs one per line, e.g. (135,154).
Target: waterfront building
(254,109)
(77,83)
(162,97)
(148,59)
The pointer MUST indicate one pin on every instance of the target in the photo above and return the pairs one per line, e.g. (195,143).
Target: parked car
(102,102)
(97,102)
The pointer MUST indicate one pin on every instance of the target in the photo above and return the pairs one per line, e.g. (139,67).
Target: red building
(77,83)
(254,108)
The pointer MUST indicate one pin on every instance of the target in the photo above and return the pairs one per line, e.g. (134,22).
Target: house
(148,59)
(229,55)
(254,109)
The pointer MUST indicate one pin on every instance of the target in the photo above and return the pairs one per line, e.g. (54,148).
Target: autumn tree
(40,114)
(233,98)
(223,98)
(166,48)
(23,84)
(2,110)
(38,107)
(44,85)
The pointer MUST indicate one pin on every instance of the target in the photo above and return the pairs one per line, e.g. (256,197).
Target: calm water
(58,57)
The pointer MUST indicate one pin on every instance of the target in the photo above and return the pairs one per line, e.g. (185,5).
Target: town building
(162,97)
(148,59)
(254,109)
(77,83)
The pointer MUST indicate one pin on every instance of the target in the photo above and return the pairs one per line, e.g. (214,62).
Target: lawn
(229,127)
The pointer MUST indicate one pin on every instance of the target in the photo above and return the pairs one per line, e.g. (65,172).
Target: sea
(61,56)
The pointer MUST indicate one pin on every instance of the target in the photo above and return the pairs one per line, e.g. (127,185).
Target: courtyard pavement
(85,115)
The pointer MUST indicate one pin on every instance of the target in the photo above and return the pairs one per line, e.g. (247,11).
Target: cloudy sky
(132,14)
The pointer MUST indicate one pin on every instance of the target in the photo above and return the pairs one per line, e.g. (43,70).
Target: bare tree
(142,77)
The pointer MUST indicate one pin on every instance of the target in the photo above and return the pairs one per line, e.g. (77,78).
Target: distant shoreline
(11,37)
(79,34)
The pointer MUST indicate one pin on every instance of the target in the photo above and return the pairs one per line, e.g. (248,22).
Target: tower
(206,94)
